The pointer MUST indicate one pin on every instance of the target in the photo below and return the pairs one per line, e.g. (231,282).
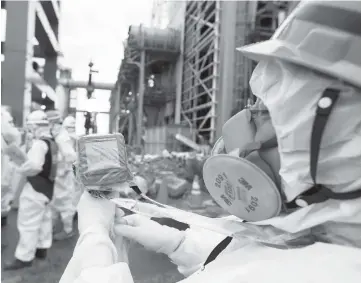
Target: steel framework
(255,21)
(200,69)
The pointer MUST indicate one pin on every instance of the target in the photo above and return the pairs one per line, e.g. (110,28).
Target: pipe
(35,78)
(83,84)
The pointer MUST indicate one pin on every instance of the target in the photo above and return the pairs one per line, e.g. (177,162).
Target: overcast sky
(95,29)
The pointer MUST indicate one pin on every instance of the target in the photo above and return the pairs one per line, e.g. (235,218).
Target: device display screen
(102,154)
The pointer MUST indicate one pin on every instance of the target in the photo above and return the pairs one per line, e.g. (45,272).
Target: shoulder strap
(53,148)
(319,193)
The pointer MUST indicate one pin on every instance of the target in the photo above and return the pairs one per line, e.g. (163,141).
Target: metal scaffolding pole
(140,98)
(130,129)
(200,72)
(118,92)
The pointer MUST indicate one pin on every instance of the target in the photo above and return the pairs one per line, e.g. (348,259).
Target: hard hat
(324,36)
(54,116)
(37,117)
(69,122)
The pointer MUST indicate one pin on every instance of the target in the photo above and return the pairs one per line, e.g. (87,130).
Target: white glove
(150,234)
(143,207)
(94,212)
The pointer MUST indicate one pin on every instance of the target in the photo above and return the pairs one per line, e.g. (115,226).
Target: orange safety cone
(162,195)
(195,200)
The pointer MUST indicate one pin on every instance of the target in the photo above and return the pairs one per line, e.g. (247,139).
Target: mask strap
(319,193)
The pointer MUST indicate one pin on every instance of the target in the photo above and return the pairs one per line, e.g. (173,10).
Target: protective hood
(65,146)
(291,94)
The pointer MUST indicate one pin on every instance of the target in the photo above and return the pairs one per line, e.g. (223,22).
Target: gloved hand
(150,234)
(143,207)
(94,212)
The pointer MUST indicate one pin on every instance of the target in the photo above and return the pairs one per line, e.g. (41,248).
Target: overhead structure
(148,52)
(201,66)
(31,31)
(215,75)
(197,53)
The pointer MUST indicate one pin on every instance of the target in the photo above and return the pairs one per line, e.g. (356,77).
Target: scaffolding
(201,85)
(200,67)
(256,21)
(212,78)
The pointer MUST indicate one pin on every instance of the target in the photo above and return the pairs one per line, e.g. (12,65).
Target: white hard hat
(69,122)
(37,117)
(54,116)
(324,36)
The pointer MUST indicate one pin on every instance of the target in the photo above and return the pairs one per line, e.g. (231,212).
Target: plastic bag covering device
(102,162)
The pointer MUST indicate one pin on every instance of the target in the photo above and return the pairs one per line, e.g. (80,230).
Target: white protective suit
(291,94)
(69,124)
(34,215)
(62,203)
(9,135)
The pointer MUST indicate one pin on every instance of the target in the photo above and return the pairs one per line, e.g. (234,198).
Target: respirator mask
(242,172)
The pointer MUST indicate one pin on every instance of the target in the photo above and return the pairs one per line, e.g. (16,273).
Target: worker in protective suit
(69,125)
(62,203)
(34,215)
(9,135)
(309,198)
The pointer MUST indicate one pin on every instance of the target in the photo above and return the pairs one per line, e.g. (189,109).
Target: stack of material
(178,168)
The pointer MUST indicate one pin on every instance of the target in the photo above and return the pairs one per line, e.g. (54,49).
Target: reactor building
(183,73)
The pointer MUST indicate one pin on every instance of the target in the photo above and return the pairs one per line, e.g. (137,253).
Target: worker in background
(61,136)
(63,201)
(67,200)
(88,122)
(9,135)
(69,125)
(302,69)
(34,215)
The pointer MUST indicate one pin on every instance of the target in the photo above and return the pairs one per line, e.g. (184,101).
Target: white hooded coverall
(34,217)
(63,200)
(9,134)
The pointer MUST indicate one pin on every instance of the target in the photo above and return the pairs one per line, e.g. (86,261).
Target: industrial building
(30,52)
(185,69)
(32,76)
